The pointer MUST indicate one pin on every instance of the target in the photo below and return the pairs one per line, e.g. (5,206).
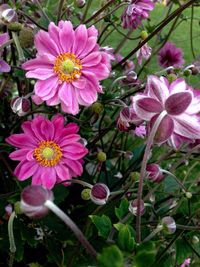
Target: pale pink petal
(75,166)
(62,172)
(67,36)
(41,62)
(80,40)
(187,126)
(45,45)
(91,43)
(92,59)
(177,86)
(43,88)
(156,88)
(19,154)
(41,74)
(22,141)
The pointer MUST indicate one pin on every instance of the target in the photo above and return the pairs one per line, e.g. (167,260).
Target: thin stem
(153,233)
(98,12)
(191,31)
(60,9)
(32,20)
(65,218)
(162,25)
(42,10)
(143,171)
(175,178)
(18,46)
(11,239)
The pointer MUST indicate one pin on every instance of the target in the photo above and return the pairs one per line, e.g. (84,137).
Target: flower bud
(171,77)
(80,3)
(195,239)
(187,72)
(169,225)
(133,207)
(85,194)
(17,207)
(101,156)
(33,198)
(97,107)
(143,35)
(26,38)
(7,14)
(20,105)
(99,194)
(188,195)
(154,173)
(134,176)
(15,26)
(194,70)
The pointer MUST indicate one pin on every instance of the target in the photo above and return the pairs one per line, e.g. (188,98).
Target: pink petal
(68,139)
(80,41)
(101,71)
(157,89)
(187,126)
(62,172)
(92,59)
(36,128)
(19,154)
(4,67)
(48,177)
(66,93)
(41,62)
(44,88)
(47,128)
(45,45)
(54,100)
(41,74)
(177,86)
(165,129)
(67,36)
(74,166)
(146,107)
(25,169)
(22,141)
(177,103)
(91,42)
(54,34)
(88,95)
(69,105)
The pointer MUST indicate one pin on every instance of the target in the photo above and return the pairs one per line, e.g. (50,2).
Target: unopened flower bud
(85,194)
(143,35)
(169,225)
(99,194)
(187,72)
(80,3)
(17,207)
(20,105)
(101,156)
(15,26)
(33,200)
(134,176)
(133,207)
(171,77)
(195,239)
(188,195)
(194,70)
(26,37)
(154,173)
(7,14)
(97,107)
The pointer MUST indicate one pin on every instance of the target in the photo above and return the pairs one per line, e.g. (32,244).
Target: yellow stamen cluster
(48,153)
(68,67)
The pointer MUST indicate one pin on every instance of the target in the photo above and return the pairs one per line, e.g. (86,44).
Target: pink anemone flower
(135,12)
(49,151)
(179,102)
(69,65)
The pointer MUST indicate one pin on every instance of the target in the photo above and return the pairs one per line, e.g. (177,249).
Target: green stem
(11,239)
(73,227)
(18,46)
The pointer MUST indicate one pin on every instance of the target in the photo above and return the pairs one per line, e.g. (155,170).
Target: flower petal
(177,103)
(25,169)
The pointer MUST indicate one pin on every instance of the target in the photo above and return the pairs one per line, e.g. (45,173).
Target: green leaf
(170,185)
(110,257)
(145,255)
(123,209)
(183,251)
(126,240)
(103,224)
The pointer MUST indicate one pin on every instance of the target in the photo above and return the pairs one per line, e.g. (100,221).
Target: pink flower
(143,52)
(135,12)
(180,102)
(154,173)
(170,55)
(4,38)
(49,151)
(68,66)
(186,262)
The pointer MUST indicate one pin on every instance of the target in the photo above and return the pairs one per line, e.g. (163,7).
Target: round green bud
(171,77)
(26,38)
(188,195)
(85,194)
(97,107)
(15,26)
(101,156)
(187,73)
(134,176)
(195,239)
(143,35)
(17,208)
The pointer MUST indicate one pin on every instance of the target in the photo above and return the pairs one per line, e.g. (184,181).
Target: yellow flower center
(48,153)
(68,67)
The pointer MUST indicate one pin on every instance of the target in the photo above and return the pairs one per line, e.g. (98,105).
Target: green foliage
(145,255)
(123,209)
(110,257)
(125,239)
(103,224)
